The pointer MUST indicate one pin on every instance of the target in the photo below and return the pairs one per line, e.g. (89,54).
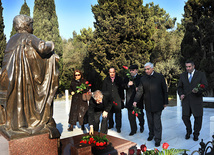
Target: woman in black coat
(79,107)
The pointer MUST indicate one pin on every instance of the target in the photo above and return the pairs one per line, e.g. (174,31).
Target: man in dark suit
(131,85)
(113,85)
(98,105)
(192,98)
(154,90)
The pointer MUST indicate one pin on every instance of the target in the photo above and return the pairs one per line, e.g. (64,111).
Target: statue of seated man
(29,78)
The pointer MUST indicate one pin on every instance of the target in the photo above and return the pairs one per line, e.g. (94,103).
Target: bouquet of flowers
(136,111)
(143,151)
(97,140)
(82,87)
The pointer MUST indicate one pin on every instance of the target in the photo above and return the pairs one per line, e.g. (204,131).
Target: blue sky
(74,15)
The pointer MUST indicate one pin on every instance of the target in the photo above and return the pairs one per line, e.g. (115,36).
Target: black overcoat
(131,91)
(192,101)
(154,91)
(78,106)
(115,90)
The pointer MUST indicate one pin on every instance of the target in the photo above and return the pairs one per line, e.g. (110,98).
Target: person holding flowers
(154,90)
(79,107)
(131,84)
(191,86)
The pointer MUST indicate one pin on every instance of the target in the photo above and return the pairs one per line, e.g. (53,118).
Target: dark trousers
(118,117)
(155,125)
(197,124)
(104,123)
(132,120)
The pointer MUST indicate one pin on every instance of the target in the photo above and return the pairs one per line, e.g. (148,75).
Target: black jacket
(154,91)
(131,91)
(116,91)
(94,107)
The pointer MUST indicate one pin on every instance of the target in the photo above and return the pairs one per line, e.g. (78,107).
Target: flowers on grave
(144,151)
(136,111)
(96,139)
(82,87)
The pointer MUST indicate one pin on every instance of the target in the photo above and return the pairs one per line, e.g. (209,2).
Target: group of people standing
(149,91)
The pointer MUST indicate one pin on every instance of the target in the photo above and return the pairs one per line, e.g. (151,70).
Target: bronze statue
(29,80)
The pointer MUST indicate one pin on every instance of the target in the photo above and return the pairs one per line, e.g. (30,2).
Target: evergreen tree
(2,35)
(46,24)
(198,40)
(121,37)
(25,10)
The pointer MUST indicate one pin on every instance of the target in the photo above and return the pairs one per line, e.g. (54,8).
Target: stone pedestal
(33,145)
(72,146)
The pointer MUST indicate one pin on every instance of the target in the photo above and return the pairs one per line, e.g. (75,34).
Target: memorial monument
(28,83)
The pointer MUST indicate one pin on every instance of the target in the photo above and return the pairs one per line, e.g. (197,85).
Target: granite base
(33,145)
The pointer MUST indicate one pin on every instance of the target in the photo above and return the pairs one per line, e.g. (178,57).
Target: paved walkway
(173,128)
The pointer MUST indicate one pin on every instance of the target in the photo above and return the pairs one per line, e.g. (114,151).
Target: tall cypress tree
(2,35)
(121,36)
(46,24)
(25,10)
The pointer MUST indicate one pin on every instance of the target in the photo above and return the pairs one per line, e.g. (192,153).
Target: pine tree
(25,10)
(46,24)
(2,35)
(121,37)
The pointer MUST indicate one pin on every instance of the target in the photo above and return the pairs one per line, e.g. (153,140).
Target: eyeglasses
(77,74)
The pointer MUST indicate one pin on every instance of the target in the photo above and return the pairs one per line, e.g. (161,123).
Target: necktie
(190,77)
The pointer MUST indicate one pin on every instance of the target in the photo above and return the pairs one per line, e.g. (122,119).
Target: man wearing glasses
(154,90)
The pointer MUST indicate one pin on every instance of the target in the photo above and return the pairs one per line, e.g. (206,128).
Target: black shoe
(149,138)
(187,136)
(141,129)
(132,133)
(195,138)
(110,127)
(118,130)
(157,144)
(70,128)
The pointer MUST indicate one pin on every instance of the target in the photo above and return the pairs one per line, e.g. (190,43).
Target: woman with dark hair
(79,107)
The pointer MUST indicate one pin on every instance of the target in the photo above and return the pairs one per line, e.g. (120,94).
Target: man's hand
(135,104)
(195,90)
(91,132)
(130,83)
(72,93)
(105,114)
(182,97)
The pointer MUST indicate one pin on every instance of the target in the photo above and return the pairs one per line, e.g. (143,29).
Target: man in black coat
(131,85)
(191,85)
(154,90)
(98,105)
(113,85)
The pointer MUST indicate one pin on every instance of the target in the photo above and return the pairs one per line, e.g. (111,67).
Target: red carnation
(138,151)
(101,144)
(131,151)
(104,143)
(89,85)
(143,148)
(133,112)
(125,67)
(202,86)
(85,141)
(165,146)
(86,82)
(97,144)
(81,141)
(136,114)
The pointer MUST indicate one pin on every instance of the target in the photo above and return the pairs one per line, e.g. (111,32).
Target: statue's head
(23,23)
